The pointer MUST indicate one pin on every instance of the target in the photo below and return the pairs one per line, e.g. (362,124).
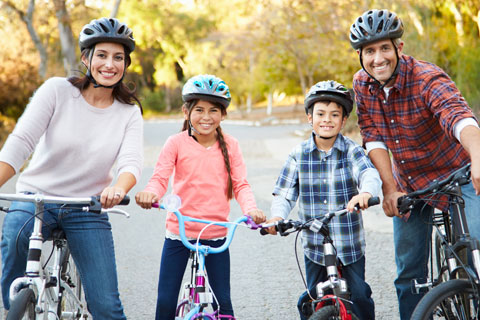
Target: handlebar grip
(125,201)
(373,201)
(263,232)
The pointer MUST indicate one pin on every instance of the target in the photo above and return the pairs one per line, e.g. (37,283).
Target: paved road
(265,278)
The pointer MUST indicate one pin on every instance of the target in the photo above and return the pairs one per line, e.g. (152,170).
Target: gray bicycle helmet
(207,87)
(329,91)
(374,25)
(106,30)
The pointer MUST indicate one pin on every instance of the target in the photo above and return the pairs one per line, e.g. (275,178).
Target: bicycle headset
(329,91)
(106,30)
(374,25)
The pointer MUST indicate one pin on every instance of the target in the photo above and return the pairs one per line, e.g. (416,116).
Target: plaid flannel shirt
(324,182)
(416,122)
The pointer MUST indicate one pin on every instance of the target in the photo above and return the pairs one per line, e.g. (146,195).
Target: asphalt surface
(265,280)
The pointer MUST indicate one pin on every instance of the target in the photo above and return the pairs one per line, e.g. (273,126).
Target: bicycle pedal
(421,285)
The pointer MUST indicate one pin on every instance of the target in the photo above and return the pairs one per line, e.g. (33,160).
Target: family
(415,125)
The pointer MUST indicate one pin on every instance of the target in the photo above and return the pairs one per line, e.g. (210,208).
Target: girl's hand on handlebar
(145,199)
(257,216)
(272,230)
(111,196)
(360,200)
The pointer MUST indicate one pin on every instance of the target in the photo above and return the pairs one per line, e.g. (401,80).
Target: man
(412,109)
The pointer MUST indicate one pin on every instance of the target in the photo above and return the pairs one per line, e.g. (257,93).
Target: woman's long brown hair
(221,141)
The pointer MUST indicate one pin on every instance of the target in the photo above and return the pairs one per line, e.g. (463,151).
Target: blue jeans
(172,267)
(412,241)
(91,244)
(360,292)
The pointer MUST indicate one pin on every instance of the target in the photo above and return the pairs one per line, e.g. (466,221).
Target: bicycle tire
(71,300)
(23,306)
(454,299)
(328,313)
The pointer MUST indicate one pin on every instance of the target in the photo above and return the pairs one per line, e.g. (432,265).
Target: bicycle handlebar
(92,204)
(282,226)
(231,227)
(461,177)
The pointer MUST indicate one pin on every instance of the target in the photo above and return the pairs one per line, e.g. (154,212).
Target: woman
(79,128)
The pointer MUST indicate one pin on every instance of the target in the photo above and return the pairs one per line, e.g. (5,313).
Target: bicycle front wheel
(328,313)
(454,299)
(71,301)
(23,306)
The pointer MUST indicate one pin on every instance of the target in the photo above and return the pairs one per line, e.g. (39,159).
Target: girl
(209,172)
(79,128)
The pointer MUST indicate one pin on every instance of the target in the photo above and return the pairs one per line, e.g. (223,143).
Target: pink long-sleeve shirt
(200,179)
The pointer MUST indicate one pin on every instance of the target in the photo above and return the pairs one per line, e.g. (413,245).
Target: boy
(325,172)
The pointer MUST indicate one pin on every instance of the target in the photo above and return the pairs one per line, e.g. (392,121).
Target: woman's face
(108,63)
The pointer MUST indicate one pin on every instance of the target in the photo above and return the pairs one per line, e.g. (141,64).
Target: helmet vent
(112,22)
(121,30)
(104,28)
(380,26)
(370,22)
(88,31)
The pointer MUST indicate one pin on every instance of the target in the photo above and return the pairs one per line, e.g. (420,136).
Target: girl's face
(108,63)
(327,118)
(205,118)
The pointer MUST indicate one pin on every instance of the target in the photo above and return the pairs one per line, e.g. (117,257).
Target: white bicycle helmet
(207,87)
(329,91)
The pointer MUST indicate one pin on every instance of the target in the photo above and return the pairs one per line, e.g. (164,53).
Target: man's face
(380,60)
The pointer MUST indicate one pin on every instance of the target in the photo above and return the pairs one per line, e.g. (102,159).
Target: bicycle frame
(47,284)
(199,294)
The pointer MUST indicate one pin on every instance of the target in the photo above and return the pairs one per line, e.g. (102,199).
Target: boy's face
(327,118)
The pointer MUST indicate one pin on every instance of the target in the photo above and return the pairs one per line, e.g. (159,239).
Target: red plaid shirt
(416,122)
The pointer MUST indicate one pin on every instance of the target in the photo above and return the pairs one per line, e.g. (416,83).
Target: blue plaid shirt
(325,182)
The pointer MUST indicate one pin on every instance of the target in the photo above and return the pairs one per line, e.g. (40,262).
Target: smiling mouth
(107,74)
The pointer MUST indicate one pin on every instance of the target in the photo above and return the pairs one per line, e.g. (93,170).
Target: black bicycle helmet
(374,25)
(329,91)
(106,30)
(206,87)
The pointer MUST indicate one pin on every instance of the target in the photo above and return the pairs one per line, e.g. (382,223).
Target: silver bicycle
(51,287)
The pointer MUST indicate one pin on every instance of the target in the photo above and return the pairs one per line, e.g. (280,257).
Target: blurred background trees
(268,51)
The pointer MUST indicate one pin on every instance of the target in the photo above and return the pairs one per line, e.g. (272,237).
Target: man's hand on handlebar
(272,230)
(390,201)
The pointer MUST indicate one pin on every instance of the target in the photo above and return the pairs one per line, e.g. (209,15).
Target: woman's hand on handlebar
(145,199)
(111,196)
(257,216)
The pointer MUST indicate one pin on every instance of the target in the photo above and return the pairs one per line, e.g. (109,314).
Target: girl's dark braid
(223,146)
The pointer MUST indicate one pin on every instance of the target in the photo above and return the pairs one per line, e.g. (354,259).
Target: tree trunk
(458,23)
(116,7)
(70,63)
(27,18)
(270,103)
(168,100)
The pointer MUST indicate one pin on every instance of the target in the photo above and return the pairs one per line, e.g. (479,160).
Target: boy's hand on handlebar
(257,216)
(145,199)
(360,201)
(111,196)
(272,230)
(390,201)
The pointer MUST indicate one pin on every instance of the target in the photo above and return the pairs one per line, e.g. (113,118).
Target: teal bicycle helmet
(207,87)
(329,91)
